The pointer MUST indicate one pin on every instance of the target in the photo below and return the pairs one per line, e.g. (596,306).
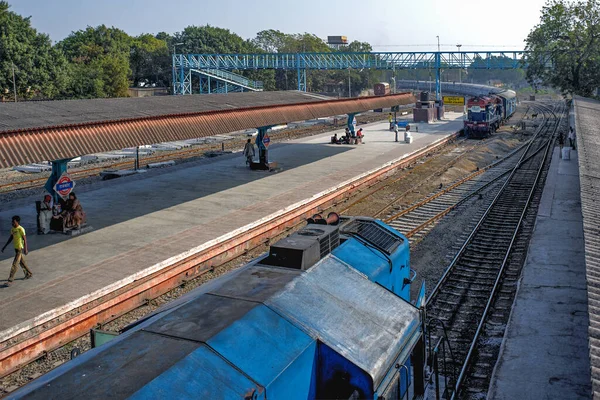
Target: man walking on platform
(19,239)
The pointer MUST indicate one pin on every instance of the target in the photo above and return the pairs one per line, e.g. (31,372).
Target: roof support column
(262,142)
(59,167)
(263,152)
(438,76)
(301,75)
(350,123)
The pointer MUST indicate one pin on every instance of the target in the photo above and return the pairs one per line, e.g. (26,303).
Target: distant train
(325,315)
(487,109)
(381,89)
(485,114)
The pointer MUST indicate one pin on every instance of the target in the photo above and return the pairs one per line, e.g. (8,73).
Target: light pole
(439,70)
(14,81)
(349,84)
(458,46)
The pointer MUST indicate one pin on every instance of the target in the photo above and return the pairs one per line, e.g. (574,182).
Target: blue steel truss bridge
(216,76)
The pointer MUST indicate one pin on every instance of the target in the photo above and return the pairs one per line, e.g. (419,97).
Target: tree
(99,60)
(209,39)
(271,41)
(40,70)
(564,48)
(149,59)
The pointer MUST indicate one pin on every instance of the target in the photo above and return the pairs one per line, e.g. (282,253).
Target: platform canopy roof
(51,130)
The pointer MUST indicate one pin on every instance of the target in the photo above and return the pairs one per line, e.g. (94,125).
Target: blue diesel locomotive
(324,315)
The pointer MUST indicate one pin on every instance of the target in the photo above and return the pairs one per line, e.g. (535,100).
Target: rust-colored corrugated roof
(53,142)
(587,112)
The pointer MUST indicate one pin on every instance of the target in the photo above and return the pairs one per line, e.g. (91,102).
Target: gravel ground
(429,256)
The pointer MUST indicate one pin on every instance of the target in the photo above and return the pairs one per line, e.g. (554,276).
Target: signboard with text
(64,185)
(266,140)
(454,100)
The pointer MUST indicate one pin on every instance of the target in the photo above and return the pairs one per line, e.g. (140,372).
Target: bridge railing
(340,60)
(242,80)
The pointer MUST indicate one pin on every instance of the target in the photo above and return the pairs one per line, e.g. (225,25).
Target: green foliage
(565,47)
(209,39)
(150,60)
(40,70)
(99,60)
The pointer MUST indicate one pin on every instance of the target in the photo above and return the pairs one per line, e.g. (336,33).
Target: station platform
(143,223)
(544,354)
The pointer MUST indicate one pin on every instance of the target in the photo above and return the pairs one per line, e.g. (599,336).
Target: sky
(389,25)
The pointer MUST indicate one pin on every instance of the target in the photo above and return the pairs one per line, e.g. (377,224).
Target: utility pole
(349,84)
(14,81)
(439,70)
(458,46)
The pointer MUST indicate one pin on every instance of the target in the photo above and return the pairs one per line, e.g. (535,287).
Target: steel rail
(483,318)
(481,220)
(399,214)
(465,198)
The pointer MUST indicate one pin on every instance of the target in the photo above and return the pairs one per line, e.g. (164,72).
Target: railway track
(467,294)
(418,219)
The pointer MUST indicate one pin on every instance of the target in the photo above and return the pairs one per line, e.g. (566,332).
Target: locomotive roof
(257,315)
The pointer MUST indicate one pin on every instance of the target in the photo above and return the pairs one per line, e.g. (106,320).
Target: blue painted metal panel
(375,265)
(202,318)
(389,271)
(339,378)
(340,306)
(201,375)
(264,345)
(116,370)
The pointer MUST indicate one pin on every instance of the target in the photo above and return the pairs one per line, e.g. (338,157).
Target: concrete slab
(545,350)
(146,221)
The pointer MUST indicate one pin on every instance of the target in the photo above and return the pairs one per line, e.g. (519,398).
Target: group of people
(572,140)
(349,137)
(67,214)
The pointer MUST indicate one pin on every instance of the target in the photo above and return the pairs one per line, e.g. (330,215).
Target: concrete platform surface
(545,350)
(145,222)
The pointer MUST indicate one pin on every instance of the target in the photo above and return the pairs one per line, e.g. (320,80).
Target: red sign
(64,186)
(266,140)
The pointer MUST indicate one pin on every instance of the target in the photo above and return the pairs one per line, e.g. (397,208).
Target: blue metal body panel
(266,346)
(387,270)
(201,375)
(336,371)
(128,362)
(363,322)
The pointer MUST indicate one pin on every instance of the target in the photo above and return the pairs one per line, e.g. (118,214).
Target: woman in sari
(73,216)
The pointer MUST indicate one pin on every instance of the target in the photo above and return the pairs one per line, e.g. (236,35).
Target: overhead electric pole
(14,81)
(458,46)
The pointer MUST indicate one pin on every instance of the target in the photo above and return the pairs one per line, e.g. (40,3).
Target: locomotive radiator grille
(375,234)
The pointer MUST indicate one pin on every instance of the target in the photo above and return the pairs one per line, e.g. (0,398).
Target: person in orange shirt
(19,239)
